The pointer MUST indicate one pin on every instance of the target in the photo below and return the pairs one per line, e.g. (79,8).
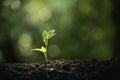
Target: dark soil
(61,70)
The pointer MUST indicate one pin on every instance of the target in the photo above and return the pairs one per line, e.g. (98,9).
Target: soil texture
(61,70)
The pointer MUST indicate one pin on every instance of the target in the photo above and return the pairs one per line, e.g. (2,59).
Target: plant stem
(46,59)
(46,53)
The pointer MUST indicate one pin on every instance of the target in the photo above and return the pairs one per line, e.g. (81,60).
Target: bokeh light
(85,29)
(37,12)
(25,43)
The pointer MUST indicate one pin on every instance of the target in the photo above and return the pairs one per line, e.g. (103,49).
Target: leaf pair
(47,35)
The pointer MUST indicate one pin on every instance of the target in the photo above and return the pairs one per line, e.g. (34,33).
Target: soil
(61,70)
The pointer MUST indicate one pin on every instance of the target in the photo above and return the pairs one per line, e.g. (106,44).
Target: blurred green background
(85,29)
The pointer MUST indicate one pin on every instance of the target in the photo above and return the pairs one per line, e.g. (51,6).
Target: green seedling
(44,49)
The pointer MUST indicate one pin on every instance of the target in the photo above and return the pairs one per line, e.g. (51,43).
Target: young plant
(44,49)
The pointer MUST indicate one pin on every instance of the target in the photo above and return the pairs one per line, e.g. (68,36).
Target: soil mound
(61,70)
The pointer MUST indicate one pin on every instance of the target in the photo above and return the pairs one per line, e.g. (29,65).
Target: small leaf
(51,33)
(36,49)
(44,34)
(43,49)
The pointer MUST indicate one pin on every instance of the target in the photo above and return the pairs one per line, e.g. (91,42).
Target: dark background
(85,29)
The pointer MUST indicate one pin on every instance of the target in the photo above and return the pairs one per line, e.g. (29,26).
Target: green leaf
(51,33)
(47,35)
(42,49)
(44,34)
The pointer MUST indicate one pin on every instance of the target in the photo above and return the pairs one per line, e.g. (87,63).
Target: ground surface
(61,70)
